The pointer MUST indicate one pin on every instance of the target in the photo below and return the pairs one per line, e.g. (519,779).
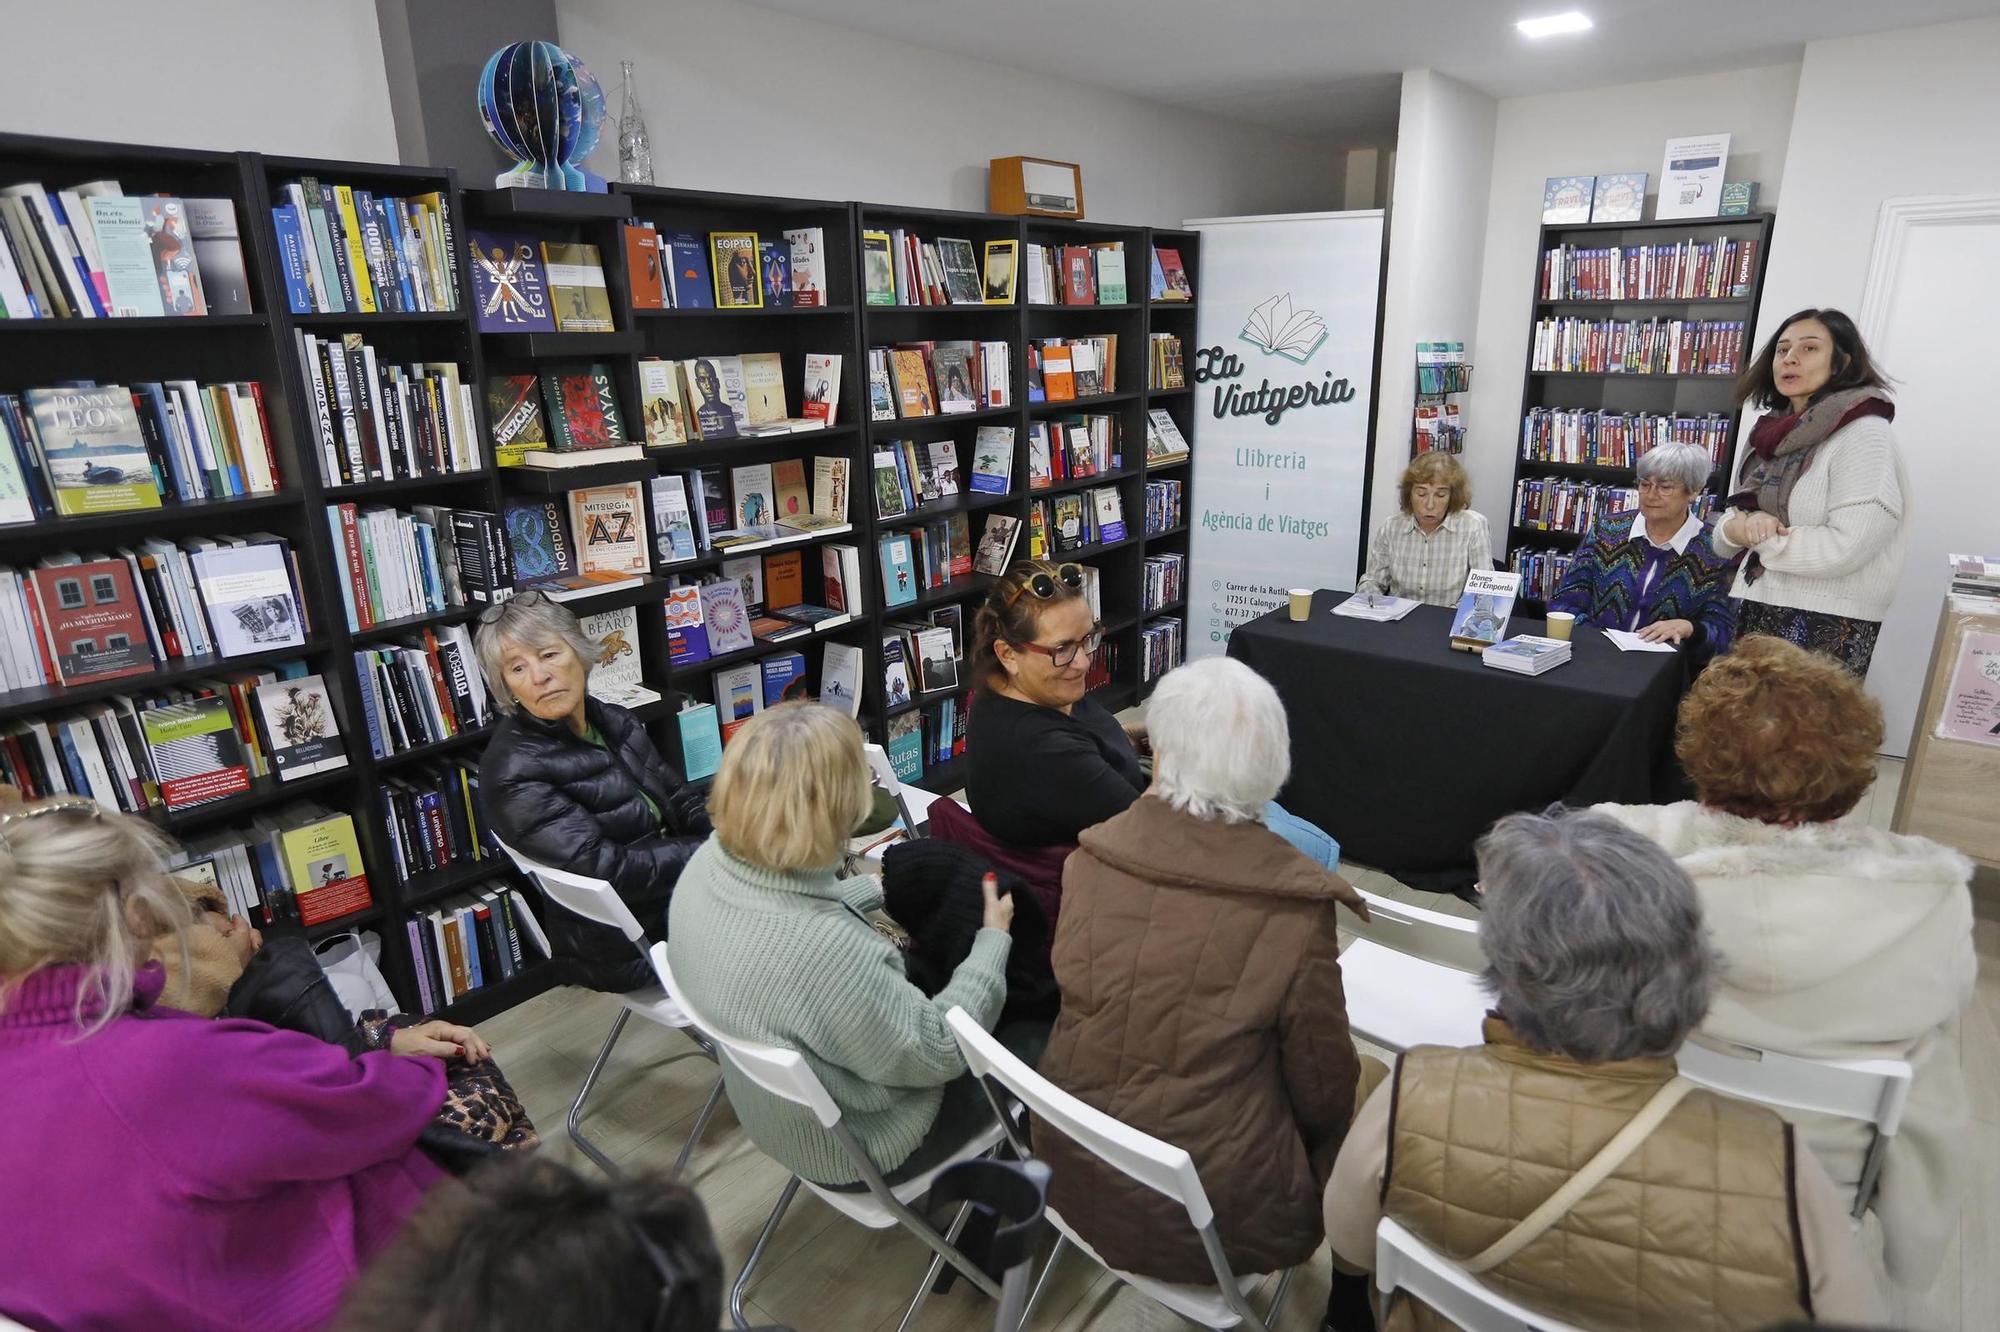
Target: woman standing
(1821,501)
(1425,551)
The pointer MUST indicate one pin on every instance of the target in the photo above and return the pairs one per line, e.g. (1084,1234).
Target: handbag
(481,1117)
(350,962)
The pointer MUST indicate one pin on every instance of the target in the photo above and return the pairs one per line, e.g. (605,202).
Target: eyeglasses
(1652,486)
(528,598)
(1062,654)
(1043,586)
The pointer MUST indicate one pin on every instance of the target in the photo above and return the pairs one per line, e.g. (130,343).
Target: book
(577,294)
(899,581)
(735,255)
(890,501)
(1079,283)
(726,617)
(539,539)
(92,450)
(514,414)
(822,388)
(944,466)
(701,740)
(961,271)
(583,409)
(89,620)
(687,263)
(840,678)
(249,595)
(660,404)
(878,272)
(218,252)
(992,460)
(774,262)
(748,571)
(708,409)
(1111,274)
(687,628)
(914,395)
(672,523)
(174,259)
(196,753)
(1375,606)
(1566,199)
(791,500)
(906,747)
(896,689)
(829,487)
(1620,197)
(324,865)
(1109,512)
(996,544)
(645,273)
(739,696)
(937,659)
(1739,198)
(296,721)
(510,288)
(132,286)
(764,388)
(808,264)
(1164,441)
(755,500)
(616,675)
(1526,654)
(951,364)
(610,528)
(1173,276)
(1002,259)
(1484,608)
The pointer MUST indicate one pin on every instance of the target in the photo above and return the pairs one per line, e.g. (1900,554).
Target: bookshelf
(1177,318)
(1684,394)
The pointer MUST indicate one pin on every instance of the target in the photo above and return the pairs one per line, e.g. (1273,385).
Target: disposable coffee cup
(1560,623)
(1302,603)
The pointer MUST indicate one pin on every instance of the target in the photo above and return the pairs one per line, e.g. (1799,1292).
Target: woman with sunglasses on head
(575,783)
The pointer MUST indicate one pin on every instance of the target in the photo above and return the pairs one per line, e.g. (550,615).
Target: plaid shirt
(1406,561)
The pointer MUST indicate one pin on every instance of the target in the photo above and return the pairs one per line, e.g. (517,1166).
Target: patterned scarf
(1782,447)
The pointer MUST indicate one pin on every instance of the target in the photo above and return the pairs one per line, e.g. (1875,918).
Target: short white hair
(1221,746)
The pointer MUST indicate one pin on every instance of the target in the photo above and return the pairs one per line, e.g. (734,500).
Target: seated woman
(771,944)
(1652,571)
(1838,939)
(1599,966)
(1225,1034)
(162,1170)
(575,783)
(1425,551)
(1044,760)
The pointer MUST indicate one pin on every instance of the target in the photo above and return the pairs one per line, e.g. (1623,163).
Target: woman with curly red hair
(1838,940)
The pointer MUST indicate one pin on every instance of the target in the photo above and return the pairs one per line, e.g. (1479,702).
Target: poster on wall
(1283,375)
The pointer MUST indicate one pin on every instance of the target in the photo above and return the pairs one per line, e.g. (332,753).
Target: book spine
(426,997)
(356,249)
(291,255)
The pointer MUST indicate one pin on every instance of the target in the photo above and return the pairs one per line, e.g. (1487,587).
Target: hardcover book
(737,282)
(822,388)
(687,261)
(510,288)
(93,622)
(538,537)
(661,405)
(726,617)
(616,675)
(610,529)
(583,409)
(1484,608)
(514,413)
(1566,199)
(577,293)
(299,728)
(249,595)
(93,449)
(707,403)
(755,499)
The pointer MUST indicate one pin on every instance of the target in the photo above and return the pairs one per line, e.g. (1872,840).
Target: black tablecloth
(1407,751)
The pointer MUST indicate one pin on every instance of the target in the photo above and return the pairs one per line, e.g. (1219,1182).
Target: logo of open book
(1276,327)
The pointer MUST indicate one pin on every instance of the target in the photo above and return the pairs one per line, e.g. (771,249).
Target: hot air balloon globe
(544,108)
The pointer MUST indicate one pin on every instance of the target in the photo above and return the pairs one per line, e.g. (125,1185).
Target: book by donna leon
(94,450)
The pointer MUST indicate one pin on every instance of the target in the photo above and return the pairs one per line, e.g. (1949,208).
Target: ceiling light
(1554,24)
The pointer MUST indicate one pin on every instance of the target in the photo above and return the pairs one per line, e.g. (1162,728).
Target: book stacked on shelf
(1169,277)
(1163,506)
(1638,347)
(469,942)
(898,267)
(93,252)
(420,690)
(708,398)
(1072,448)
(1164,441)
(524,285)
(344,250)
(589,540)
(761,503)
(917,379)
(992,460)
(1527,654)
(1617,439)
(923,656)
(1165,581)
(1064,369)
(582,425)
(392,564)
(907,473)
(939,727)
(780,602)
(1088,274)
(921,559)
(1074,521)
(747,688)
(377,421)
(1574,506)
(1542,571)
(1162,645)
(299,865)
(616,675)
(1165,368)
(1105,665)
(728,270)
(1688,270)
(997,539)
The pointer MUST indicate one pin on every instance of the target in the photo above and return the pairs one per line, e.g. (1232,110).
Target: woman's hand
(999,910)
(1753,529)
(1350,897)
(1142,742)
(444,1040)
(1667,631)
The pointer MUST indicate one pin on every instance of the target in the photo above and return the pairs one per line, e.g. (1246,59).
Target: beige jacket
(1843,941)
(1714,1222)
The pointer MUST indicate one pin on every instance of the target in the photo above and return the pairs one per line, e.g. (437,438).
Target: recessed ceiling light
(1555,24)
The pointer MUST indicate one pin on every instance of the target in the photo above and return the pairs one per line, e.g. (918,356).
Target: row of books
(1164,441)
(89,449)
(1092,274)
(914,379)
(898,267)
(591,539)
(673,271)
(93,252)
(997,538)
(375,420)
(1442,368)
(1164,362)
(434,819)
(927,736)
(582,425)
(1542,571)
(1163,506)
(770,600)
(78,618)
(747,688)
(907,473)
(923,657)
(1063,369)
(1072,448)
(1636,347)
(1574,506)
(706,398)
(1164,582)
(1440,428)
(1686,270)
(299,865)
(1071,522)
(343,250)
(1162,646)
(421,690)
(1169,276)
(920,559)
(1617,439)
(468,942)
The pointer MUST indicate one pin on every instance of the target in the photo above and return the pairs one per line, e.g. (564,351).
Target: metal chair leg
(937,1265)
(736,1317)
(1278,1296)
(700,1125)
(585,1145)
(1042,1283)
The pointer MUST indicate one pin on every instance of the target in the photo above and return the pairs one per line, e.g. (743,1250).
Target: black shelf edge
(557,205)
(1164,533)
(263,793)
(1599,301)
(43,698)
(1168,464)
(176,515)
(1085,482)
(892,427)
(1659,376)
(137,323)
(1756,219)
(1116,696)
(956,590)
(1575,469)
(944,777)
(1072,309)
(650,587)
(775,543)
(330,319)
(1121,624)
(564,346)
(647,713)
(326,929)
(696,452)
(956,308)
(966,501)
(1174,307)
(431,620)
(1081,404)
(426,887)
(437,748)
(1095,548)
(1176,607)
(401,485)
(763,312)
(1546,534)
(474,1008)
(559,480)
(1180,392)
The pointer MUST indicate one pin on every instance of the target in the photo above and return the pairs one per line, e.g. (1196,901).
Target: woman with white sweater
(1821,501)
(1837,940)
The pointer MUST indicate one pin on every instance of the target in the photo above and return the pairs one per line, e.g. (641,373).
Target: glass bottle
(635,146)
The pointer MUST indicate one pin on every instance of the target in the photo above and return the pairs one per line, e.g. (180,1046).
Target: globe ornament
(544,108)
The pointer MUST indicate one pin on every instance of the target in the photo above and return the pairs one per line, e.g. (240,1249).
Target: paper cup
(1560,624)
(1302,603)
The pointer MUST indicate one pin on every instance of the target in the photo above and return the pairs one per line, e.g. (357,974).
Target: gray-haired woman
(1652,570)
(575,783)
(1599,966)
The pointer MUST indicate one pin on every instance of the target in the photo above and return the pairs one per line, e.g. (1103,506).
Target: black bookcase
(1177,318)
(1626,392)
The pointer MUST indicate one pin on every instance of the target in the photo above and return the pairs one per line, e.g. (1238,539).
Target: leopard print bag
(480,1118)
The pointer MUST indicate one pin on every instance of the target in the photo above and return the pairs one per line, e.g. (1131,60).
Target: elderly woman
(1226,1034)
(770,943)
(1838,939)
(1653,571)
(574,782)
(1821,500)
(159,1169)
(1425,551)
(1599,967)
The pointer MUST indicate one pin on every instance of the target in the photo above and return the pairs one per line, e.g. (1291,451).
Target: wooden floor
(825,1274)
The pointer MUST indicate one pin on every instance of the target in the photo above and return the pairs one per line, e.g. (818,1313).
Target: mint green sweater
(788,959)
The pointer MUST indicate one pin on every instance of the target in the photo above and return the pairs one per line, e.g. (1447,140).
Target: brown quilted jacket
(1201,1003)
(1698,1229)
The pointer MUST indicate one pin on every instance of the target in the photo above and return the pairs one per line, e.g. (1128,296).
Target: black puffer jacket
(569,804)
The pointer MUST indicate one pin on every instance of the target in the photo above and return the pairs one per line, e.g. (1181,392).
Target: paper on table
(1363,606)
(1633,643)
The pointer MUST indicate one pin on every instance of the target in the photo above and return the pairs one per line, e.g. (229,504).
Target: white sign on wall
(1283,376)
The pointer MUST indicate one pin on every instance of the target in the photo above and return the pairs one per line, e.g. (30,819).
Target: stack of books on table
(1525,654)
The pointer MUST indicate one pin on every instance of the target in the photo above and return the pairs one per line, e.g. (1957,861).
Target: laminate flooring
(824,1273)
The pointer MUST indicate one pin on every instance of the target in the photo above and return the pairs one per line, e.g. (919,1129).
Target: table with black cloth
(1406,750)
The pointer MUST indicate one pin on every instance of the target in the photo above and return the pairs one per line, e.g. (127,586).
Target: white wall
(1444,157)
(1607,129)
(742,99)
(281,76)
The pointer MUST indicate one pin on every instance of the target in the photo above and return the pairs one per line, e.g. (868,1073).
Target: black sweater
(1035,777)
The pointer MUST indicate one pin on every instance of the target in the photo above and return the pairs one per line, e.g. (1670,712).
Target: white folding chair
(596,900)
(1404,1262)
(1160,1166)
(785,1073)
(1874,1091)
(1435,936)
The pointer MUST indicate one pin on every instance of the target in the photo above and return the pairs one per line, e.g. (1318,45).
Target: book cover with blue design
(1484,608)
(899,577)
(509,284)
(1566,199)
(538,535)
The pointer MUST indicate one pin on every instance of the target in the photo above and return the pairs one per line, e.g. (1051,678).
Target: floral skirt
(1849,642)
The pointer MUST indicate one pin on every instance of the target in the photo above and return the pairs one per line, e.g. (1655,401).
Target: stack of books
(916,379)
(1527,654)
(1975,575)
(1070,448)
(468,942)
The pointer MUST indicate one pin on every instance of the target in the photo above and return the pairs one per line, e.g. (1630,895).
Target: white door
(1928,319)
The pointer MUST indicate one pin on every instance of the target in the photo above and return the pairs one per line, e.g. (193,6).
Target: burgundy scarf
(1782,447)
